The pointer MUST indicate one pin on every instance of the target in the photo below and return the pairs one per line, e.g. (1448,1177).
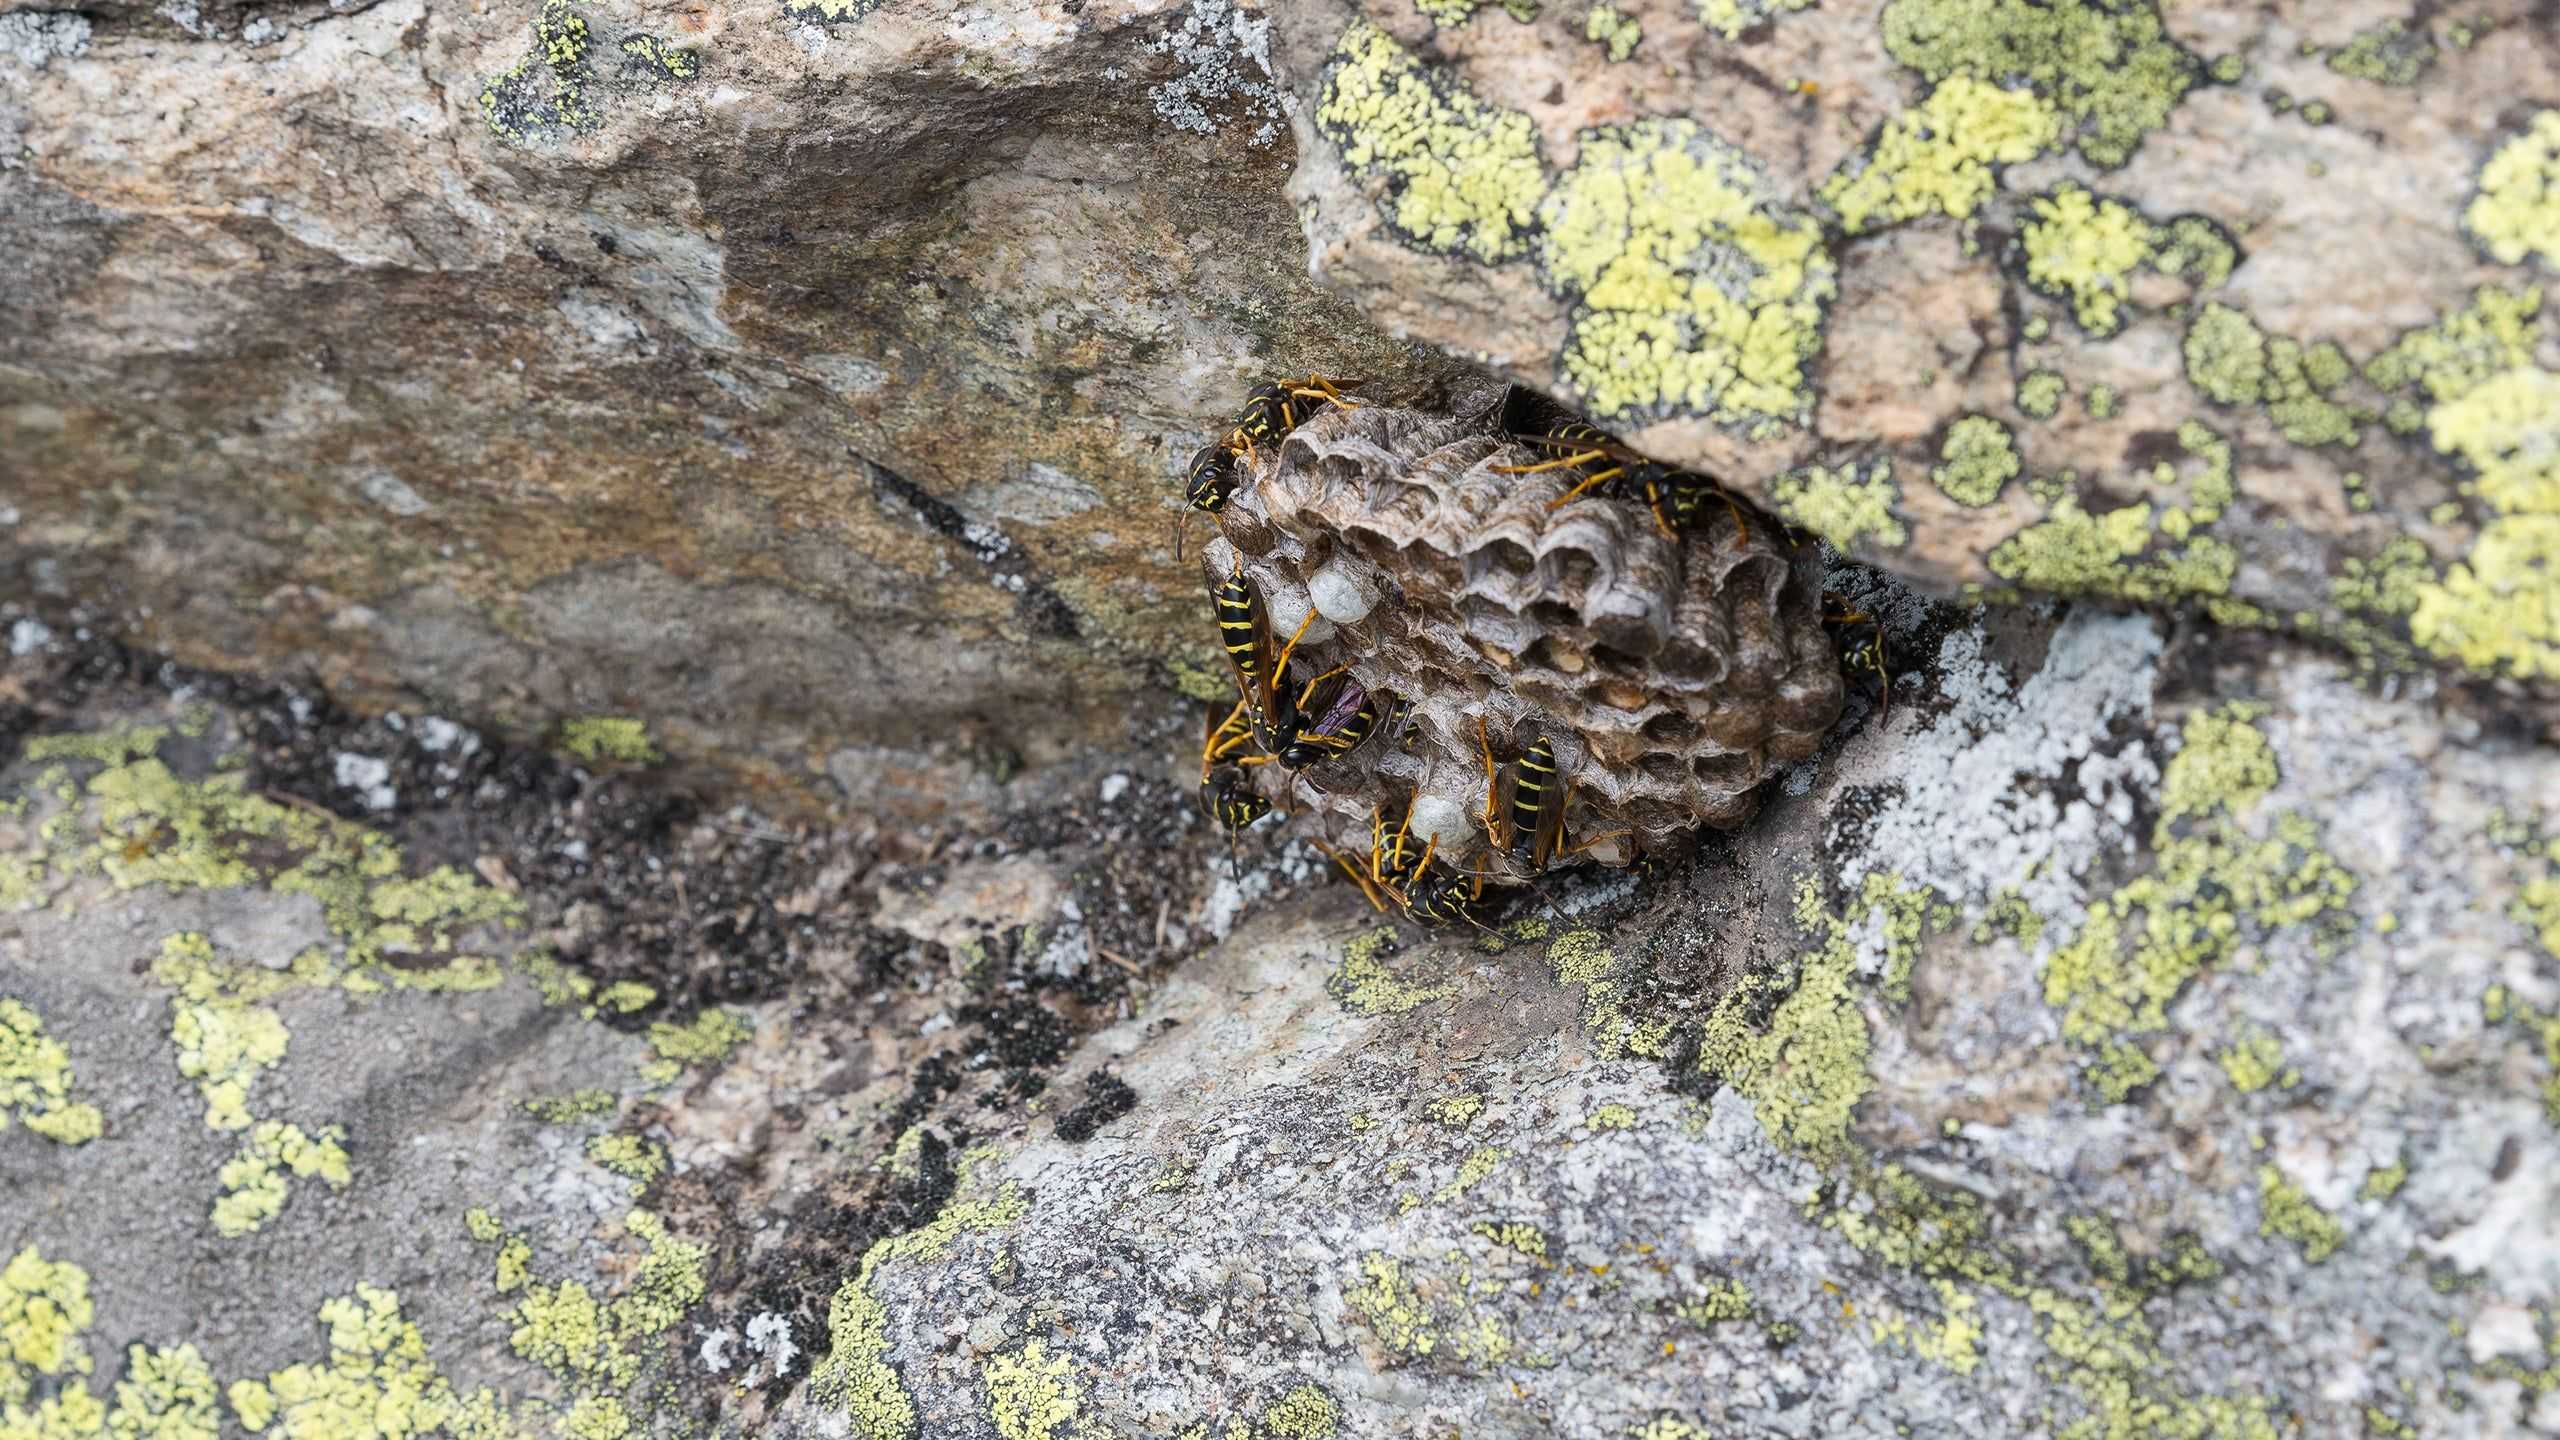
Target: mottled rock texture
(596,839)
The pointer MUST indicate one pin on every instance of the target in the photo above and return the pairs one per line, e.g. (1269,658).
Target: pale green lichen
(1844,506)
(222,1047)
(2383,1181)
(1696,288)
(1455,1111)
(1952,1341)
(2212,881)
(2497,609)
(1462,175)
(1978,459)
(1613,1117)
(1613,30)
(2071,552)
(1805,1069)
(36,1079)
(2388,54)
(855,1378)
(1722,1301)
(629,1156)
(1030,1394)
(2286,1212)
(2499,1006)
(2111,69)
(2517,212)
(2081,248)
(254,1178)
(1305,1413)
(1365,986)
(2192,247)
(1940,156)
(571,1108)
(1579,957)
(44,1309)
(660,58)
(2040,394)
(1515,1235)
(594,738)
(830,12)
(1480,1164)
(1729,18)
(705,1040)
(2255,1061)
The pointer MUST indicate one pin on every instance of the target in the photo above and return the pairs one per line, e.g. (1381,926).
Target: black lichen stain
(1107,1097)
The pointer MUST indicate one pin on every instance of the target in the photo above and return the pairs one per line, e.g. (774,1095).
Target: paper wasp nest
(1672,678)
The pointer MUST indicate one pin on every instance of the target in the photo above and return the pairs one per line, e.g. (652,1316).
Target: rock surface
(596,836)
(2125,1038)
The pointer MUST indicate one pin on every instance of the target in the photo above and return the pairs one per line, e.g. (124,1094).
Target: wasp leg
(1490,814)
(1280,667)
(1367,890)
(1588,481)
(1661,521)
(1307,692)
(1567,463)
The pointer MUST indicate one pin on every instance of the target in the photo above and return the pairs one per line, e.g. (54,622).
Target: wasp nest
(1672,677)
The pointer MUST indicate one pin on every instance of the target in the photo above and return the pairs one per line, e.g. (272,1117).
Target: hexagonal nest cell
(1671,676)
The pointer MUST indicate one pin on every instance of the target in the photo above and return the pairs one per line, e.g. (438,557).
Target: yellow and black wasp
(1675,496)
(1226,796)
(1274,702)
(1343,713)
(1531,827)
(1404,879)
(1863,653)
(1270,412)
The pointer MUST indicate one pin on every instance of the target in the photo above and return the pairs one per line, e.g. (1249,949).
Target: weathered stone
(2252,301)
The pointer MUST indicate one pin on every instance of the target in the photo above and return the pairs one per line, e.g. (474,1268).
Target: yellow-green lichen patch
(1305,1413)
(2226,356)
(571,1108)
(2383,1181)
(254,1178)
(2255,1061)
(2491,336)
(658,58)
(1365,986)
(2194,248)
(1613,1117)
(166,1395)
(2080,248)
(2040,394)
(222,1046)
(2517,212)
(629,1156)
(35,1081)
(2388,54)
(1579,957)
(1030,1394)
(1461,175)
(1515,1235)
(2499,1006)
(1480,1164)
(1722,1301)
(2072,552)
(1696,289)
(1978,458)
(517,106)
(1455,1111)
(2498,608)
(1941,156)
(377,1381)
(2235,363)
(1847,506)
(855,1378)
(1805,1069)
(1612,29)
(704,1040)
(2507,429)
(2110,68)
(622,738)
(2284,1211)
(1729,18)
(830,12)
(1953,1340)
(2212,881)
(44,1309)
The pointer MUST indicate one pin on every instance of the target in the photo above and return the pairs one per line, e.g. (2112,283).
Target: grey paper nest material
(1672,678)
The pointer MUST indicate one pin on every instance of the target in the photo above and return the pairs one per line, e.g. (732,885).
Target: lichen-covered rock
(1672,673)
(2235,308)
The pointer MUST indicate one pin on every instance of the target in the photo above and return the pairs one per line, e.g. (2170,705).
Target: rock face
(2164,303)
(596,837)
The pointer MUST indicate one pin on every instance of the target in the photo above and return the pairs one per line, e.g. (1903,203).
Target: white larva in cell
(1342,591)
(1442,823)
(1285,606)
